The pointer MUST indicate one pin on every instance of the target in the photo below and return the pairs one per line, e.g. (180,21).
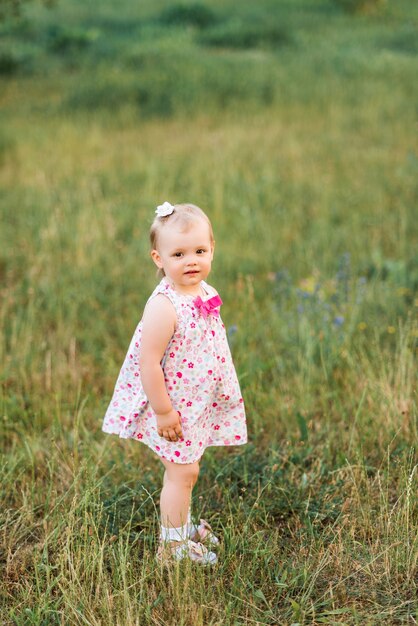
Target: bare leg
(179,480)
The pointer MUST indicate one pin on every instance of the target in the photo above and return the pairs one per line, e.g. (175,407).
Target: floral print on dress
(201,381)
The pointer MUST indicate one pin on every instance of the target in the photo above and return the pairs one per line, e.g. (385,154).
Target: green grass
(302,151)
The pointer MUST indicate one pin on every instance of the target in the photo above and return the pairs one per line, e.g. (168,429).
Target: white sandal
(204,533)
(192,550)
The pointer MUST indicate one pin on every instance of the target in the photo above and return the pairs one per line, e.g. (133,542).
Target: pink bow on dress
(208,307)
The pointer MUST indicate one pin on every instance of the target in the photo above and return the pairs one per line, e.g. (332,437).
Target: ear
(212,250)
(157,259)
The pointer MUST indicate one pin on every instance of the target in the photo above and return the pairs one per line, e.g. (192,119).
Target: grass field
(293,124)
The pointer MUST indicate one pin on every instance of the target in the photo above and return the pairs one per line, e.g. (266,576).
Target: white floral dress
(201,381)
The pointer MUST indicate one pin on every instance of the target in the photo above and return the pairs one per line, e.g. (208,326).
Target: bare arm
(158,326)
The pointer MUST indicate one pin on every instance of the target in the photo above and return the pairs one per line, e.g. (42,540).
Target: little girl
(177,390)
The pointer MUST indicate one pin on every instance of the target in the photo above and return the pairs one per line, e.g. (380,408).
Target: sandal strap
(195,547)
(194,550)
(205,530)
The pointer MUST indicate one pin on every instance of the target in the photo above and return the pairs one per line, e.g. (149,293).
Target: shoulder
(159,312)
(159,302)
(158,325)
(159,317)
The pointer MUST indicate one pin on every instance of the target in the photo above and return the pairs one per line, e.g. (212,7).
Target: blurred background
(292,123)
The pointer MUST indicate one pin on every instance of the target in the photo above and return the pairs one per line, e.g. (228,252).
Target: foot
(170,551)
(204,533)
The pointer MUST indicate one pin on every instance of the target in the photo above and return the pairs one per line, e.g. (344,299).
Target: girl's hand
(169,425)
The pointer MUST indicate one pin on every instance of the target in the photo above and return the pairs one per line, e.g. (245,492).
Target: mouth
(192,272)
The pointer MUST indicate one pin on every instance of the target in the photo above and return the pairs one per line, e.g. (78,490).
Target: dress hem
(210,445)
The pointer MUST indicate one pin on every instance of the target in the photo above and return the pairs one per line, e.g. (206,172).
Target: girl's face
(185,255)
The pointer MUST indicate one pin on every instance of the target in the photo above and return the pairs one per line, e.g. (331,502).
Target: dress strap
(209,291)
(165,288)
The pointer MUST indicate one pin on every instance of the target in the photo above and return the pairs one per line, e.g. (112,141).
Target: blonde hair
(183,214)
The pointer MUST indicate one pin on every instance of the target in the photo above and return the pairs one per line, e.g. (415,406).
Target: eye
(178,254)
(201,251)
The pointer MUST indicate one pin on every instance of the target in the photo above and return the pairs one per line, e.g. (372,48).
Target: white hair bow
(164,209)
